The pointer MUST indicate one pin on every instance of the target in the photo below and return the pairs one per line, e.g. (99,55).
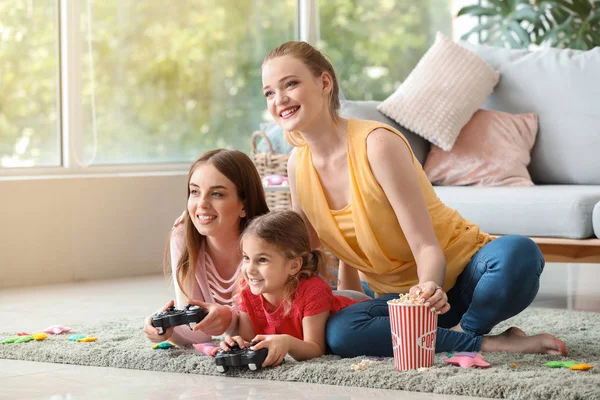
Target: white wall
(84,228)
(463,24)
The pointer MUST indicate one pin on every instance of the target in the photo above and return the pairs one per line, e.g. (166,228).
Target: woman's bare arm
(348,278)
(315,243)
(392,166)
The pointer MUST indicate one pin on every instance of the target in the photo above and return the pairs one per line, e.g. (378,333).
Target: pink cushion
(493,149)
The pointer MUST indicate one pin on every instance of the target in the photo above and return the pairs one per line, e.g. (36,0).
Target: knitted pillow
(442,92)
(493,149)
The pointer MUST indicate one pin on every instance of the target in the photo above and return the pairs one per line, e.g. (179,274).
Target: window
(171,81)
(375,44)
(29,100)
(148,82)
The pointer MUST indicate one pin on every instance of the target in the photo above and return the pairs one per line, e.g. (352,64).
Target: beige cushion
(493,149)
(442,92)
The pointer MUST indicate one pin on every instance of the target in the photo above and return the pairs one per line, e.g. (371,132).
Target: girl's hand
(179,220)
(231,341)
(152,333)
(278,346)
(217,321)
(432,295)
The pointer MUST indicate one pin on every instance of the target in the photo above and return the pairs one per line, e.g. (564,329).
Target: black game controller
(175,317)
(237,357)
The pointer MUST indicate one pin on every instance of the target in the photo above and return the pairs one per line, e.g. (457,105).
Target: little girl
(283,303)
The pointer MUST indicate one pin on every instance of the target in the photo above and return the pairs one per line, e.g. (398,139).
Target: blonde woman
(365,197)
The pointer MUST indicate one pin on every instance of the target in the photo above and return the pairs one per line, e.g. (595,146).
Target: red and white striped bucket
(414,328)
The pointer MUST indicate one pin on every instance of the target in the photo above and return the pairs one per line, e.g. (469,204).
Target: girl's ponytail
(313,263)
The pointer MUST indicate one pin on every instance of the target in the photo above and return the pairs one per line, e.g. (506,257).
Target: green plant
(571,24)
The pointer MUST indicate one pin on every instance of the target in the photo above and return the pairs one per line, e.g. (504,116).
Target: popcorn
(362,365)
(407,298)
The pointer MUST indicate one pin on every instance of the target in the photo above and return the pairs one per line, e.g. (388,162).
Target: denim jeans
(368,291)
(500,281)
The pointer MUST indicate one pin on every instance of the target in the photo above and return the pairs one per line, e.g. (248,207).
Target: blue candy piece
(73,338)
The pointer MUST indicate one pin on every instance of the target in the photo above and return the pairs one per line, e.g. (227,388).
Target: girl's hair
(286,231)
(317,63)
(240,170)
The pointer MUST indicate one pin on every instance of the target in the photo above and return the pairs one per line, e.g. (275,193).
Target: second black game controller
(190,315)
(237,357)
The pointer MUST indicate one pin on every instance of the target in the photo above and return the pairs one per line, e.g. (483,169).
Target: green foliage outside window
(516,24)
(29,131)
(374,45)
(175,79)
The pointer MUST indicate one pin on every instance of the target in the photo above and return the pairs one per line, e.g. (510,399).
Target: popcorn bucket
(414,328)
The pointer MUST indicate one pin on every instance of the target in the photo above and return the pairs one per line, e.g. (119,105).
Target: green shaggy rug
(122,344)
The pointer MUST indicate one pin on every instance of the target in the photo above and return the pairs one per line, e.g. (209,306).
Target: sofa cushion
(596,219)
(491,150)
(547,210)
(368,110)
(442,92)
(561,87)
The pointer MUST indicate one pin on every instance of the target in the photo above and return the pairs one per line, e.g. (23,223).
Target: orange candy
(87,339)
(581,367)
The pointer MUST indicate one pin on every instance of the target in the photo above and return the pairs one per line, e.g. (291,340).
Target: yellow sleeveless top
(366,234)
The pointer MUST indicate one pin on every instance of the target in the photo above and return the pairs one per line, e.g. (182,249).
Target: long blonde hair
(317,63)
(286,231)
(240,170)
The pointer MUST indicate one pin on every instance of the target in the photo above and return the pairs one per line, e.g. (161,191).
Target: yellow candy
(40,336)
(87,339)
(581,367)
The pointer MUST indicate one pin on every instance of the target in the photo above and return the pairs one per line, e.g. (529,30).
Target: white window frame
(70,109)
(308,21)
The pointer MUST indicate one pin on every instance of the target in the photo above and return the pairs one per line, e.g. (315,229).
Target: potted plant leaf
(517,24)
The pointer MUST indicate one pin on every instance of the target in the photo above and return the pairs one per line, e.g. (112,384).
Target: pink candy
(275,180)
(56,329)
(467,360)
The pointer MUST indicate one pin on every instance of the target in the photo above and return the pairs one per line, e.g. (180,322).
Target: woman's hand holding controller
(152,333)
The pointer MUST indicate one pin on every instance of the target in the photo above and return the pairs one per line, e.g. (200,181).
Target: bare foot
(514,340)
(513,331)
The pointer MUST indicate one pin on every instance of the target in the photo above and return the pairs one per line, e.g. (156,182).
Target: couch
(562,212)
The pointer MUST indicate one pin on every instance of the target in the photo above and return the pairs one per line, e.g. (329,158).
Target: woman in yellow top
(365,197)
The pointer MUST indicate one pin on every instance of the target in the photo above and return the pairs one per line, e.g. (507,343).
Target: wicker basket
(271,163)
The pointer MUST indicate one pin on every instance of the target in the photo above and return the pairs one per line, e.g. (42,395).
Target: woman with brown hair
(224,193)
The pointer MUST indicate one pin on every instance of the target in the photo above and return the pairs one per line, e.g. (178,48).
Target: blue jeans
(499,282)
(368,291)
